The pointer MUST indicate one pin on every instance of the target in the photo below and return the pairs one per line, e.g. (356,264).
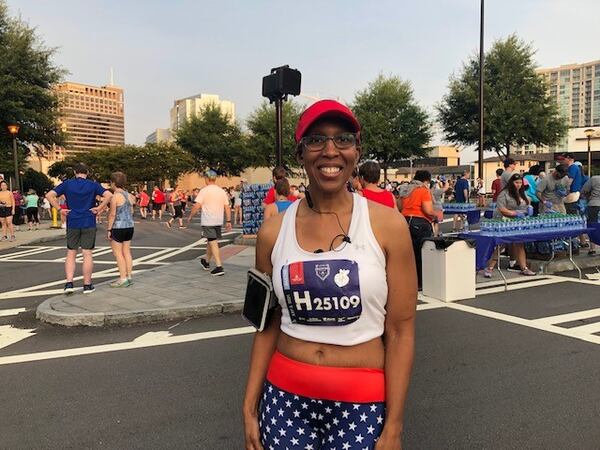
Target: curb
(564,265)
(47,314)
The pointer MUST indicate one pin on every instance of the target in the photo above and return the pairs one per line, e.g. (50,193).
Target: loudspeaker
(282,81)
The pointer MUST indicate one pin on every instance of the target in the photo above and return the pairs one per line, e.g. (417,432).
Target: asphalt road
(508,370)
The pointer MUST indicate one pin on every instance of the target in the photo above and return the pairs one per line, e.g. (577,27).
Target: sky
(164,50)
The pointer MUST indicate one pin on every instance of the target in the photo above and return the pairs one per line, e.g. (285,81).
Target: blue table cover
(473,215)
(488,214)
(595,233)
(485,245)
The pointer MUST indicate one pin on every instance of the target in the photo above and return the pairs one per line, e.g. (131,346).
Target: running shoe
(4,238)
(13,238)
(488,273)
(217,271)
(591,252)
(120,283)
(528,272)
(88,288)
(69,288)
(205,264)
(514,267)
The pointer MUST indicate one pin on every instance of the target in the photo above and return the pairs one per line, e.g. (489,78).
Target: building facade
(159,135)
(91,116)
(185,108)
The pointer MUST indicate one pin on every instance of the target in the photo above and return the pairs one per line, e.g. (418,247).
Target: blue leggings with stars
(289,421)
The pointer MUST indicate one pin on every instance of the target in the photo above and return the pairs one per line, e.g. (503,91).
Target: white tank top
(335,297)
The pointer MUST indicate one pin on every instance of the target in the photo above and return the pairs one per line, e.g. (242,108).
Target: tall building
(159,135)
(92,116)
(185,108)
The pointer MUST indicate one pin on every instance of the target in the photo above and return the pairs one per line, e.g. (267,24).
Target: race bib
(322,292)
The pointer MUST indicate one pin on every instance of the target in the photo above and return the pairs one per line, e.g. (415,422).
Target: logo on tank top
(315,297)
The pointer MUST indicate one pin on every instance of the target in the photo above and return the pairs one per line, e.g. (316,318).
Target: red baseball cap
(324,108)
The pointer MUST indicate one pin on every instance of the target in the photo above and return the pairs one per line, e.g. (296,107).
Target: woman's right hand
(252,432)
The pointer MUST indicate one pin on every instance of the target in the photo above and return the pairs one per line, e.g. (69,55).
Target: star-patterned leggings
(289,421)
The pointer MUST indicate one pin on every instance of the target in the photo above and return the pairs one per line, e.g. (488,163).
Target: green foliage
(151,162)
(394,126)
(517,107)
(40,183)
(26,76)
(261,140)
(214,142)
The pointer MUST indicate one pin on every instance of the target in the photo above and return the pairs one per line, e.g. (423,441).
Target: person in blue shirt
(461,195)
(80,194)
(575,173)
(531,177)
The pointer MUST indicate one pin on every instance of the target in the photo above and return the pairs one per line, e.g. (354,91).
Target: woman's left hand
(389,441)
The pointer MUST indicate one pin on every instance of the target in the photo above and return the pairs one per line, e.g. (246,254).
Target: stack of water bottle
(528,225)
(459,207)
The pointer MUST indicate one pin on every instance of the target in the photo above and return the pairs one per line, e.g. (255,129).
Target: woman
(282,192)
(328,368)
(31,202)
(591,191)
(553,189)
(158,203)
(120,228)
(175,200)
(531,177)
(369,173)
(144,201)
(513,204)
(438,189)
(237,205)
(7,211)
(416,205)
(480,193)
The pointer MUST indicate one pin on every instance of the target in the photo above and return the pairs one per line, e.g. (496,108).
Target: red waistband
(344,384)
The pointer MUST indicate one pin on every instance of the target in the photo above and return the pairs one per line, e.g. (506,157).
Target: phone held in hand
(260,300)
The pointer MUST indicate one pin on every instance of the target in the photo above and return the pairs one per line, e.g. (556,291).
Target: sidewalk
(24,237)
(178,291)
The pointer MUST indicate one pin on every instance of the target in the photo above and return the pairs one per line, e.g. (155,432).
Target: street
(514,369)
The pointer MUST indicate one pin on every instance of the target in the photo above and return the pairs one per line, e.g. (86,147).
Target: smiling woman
(344,274)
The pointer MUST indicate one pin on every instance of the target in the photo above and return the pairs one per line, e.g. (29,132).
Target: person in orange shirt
(416,205)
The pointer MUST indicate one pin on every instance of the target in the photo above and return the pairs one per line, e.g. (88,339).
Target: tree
(40,183)
(394,126)
(214,142)
(27,74)
(517,108)
(151,162)
(261,139)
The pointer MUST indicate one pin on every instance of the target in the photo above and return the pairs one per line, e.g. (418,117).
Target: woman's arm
(112,213)
(399,323)
(264,342)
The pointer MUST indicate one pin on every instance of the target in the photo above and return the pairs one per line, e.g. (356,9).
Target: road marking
(28,252)
(54,261)
(152,339)
(562,318)
(177,252)
(10,335)
(520,285)
(11,312)
(587,329)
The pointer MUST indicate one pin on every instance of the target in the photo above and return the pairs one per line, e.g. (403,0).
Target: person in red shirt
(278,174)
(143,202)
(497,184)
(369,173)
(158,202)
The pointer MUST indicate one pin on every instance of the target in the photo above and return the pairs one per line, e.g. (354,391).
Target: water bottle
(529,210)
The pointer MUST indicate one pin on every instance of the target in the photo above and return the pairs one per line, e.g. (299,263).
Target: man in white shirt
(214,203)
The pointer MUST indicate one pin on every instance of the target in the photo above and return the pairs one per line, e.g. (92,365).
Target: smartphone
(260,300)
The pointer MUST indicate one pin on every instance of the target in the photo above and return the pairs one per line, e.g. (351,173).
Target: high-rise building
(185,108)
(92,116)
(159,135)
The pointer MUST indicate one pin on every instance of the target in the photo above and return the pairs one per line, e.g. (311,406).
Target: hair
(282,187)
(422,176)
(499,172)
(81,168)
(119,178)
(370,171)
(568,155)
(561,171)
(508,162)
(279,173)
(516,194)
(535,170)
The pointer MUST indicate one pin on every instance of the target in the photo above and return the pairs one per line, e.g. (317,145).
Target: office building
(158,136)
(185,108)
(92,116)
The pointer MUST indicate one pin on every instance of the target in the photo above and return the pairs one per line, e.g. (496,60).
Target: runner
(175,200)
(31,202)
(144,201)
(279,173)
(369,173)
(120,228)
(81,223)
(7,210)
(317,371)
(282,189)
(214,203)
(158,202)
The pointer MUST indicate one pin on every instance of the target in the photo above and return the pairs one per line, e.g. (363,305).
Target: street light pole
(481,56)
(14,130)
(589,133)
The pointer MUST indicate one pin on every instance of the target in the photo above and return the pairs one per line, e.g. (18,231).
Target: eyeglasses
(317,142)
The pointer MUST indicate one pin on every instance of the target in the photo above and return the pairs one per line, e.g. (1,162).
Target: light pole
(589,133)
(14,130)
(481,56)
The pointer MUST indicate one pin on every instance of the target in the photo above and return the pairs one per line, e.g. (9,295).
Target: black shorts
(157,206)
(572,208)
(211,233)
(592,213)
(5,211)
(178,212)
(121,234)
(81,237)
